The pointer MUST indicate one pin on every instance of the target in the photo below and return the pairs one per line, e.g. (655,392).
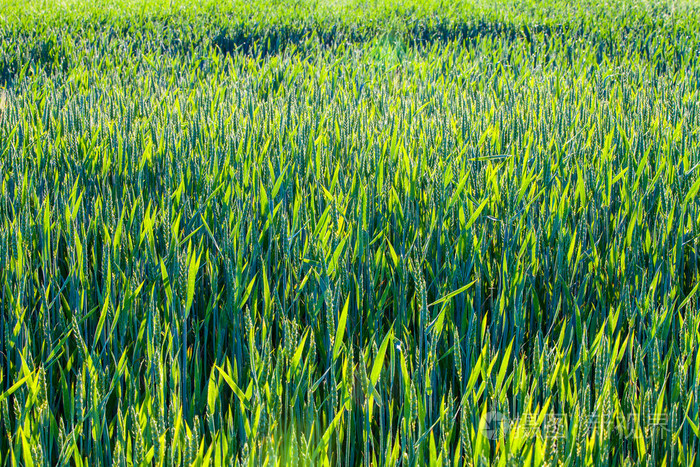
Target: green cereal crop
(349,233)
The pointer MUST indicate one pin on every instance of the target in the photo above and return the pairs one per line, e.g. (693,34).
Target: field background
(349,233)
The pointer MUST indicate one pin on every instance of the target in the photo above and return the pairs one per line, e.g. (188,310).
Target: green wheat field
(349,233)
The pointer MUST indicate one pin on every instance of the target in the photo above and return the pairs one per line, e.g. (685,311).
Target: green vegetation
(349,233)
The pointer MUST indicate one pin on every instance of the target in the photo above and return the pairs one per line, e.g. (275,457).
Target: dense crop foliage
(354,234)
